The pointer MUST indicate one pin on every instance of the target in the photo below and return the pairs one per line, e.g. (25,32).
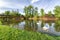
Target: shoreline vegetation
(31,13)
(9,33)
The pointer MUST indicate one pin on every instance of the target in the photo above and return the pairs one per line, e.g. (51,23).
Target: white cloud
(6,5)
(2,3)
(33,1)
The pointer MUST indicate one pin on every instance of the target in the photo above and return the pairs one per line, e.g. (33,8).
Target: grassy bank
(8,33)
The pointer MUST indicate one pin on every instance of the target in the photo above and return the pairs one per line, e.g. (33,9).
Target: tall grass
(8,33)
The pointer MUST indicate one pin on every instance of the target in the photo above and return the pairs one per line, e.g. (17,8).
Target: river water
(47,27)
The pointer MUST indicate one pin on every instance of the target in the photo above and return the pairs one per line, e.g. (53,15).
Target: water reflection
(57,25)
(31,25)
(48,27)
(20,25)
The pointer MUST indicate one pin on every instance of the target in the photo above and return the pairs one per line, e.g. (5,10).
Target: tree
(7,12)
(26,12)
(36,12)
(30,11)
(15,13)
(49,13)
(57,11)
(42,12)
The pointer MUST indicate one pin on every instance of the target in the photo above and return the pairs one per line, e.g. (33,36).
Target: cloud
(7,5)
(2,3)
(33,1)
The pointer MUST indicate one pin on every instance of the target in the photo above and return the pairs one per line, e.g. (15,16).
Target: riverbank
(44,18)
(8,33)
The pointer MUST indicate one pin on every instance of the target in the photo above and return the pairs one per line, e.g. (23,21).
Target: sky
(47,5)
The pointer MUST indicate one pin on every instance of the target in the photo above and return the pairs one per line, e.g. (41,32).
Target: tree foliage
(7,12)
(30,11)
(14,13)
(42,12)
(49,13)
(57,11)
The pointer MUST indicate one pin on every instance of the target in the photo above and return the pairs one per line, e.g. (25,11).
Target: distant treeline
(31,11)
